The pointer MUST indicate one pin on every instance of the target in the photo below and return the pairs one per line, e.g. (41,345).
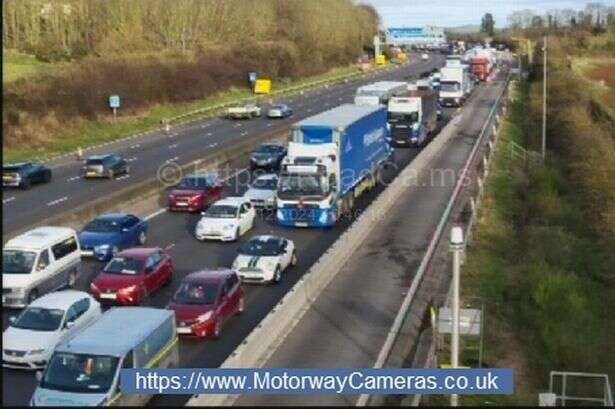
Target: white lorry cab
(85,369)
(455,85)
(378,93)
(37,262)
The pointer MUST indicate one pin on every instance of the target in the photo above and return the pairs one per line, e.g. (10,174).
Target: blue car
(279,111)
(108,234)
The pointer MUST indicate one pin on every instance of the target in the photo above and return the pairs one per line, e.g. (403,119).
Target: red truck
(481,67)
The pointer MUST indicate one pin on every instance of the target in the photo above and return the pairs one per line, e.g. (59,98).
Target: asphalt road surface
(182,145)
(176,231)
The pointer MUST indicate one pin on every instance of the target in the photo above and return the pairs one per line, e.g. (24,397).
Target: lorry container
(413,117)
(378,92)
(333,157)
(455,85)
(482,63)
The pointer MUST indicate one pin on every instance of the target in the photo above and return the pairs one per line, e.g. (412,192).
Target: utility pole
(544,99)
(456,246)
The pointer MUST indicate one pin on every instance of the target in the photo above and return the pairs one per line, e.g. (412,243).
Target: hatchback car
(105,166)
(279,111)
(264,259)
(263,191)
(205,300)
(195,192)
(132,275)
(25,174)
(31,337)
(106,235)
(268,156)
(226,220)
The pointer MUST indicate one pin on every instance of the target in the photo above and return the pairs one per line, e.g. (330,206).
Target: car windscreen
(13,168)
(80,373)
(301,186)
(102,226)
(125,265)
(449,86)
(39,319)
(196,293)
(257,247)
(265,184)
(17,261)
(94,162)
(221,212)
(196,183)
(269,149)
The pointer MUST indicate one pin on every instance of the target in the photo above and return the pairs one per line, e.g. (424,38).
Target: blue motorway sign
(114,101)
(406,32)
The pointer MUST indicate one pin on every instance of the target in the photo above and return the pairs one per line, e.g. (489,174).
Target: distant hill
(466,29)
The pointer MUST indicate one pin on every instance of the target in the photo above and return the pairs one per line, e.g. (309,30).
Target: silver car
(263,191)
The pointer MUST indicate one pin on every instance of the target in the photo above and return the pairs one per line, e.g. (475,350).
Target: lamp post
(544,99)
(456,246)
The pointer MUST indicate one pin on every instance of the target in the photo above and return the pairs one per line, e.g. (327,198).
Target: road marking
(172,159)
(73,178)
(211,145)
(173,146)
(55,202)
(169,247)
(209,134)
(309,110)
(340,99)
(135,146)
(269,124)
(244,133)
(134,158)
(237,125)
(123,177)
(8,199)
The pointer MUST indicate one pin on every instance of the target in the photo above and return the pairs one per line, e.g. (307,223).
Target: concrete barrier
(260,344)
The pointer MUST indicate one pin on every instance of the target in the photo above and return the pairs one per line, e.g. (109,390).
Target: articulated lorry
(413,117)
(482,63)
(455,85)
(378,92)
(333,157)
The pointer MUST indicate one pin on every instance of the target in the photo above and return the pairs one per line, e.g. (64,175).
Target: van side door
(45,281)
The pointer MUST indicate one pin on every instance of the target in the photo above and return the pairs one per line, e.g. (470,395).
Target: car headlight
(127,289)
(103,248)
(204,317)
(36,351)
(228,227)
(94,288)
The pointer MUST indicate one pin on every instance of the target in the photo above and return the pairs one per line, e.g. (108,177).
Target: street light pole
(456,245)
(544,99)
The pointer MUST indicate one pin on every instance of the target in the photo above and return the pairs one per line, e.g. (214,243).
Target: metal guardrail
(394,332)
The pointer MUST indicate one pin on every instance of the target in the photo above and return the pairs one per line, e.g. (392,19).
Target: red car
(205,300)
(132,275)
(195,192)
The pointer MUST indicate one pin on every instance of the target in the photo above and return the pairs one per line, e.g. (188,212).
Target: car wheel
(242,305)
(277,276)
(293,260)
(111,174)
(25,184)
(217,328)
(71,279)
(236,235)
(33,295)
(142,238)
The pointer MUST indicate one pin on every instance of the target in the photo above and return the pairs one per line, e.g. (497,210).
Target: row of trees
(73,28)
(595,16)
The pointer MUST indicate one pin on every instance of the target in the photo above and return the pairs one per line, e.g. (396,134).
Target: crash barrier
(261,343)
(487,133)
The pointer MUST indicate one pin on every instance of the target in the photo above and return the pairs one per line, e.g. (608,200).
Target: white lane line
(269,124)
(309,110)
(173,146)
(73,178)
(244,133)
(172,159)
(340,99)
(169,247)
(8,200)
(237,125)
(134,158)
(123,177)
(163,210)
(209,134)
(55,202)
(135,146)
(211,145)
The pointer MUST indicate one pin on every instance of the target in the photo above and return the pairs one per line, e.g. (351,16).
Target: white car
(247,110)
(424,56)
(32,336)
(263,259)
(263,191)
(226,220)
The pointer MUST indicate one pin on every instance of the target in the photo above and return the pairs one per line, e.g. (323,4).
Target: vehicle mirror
(12,319)
(69,324)
(332,157)
(39,375)
(125,229)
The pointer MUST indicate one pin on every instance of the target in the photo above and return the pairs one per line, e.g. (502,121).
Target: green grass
(600,74)
(16,65)
(92,133)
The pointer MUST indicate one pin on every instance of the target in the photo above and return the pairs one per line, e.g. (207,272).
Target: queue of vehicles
(332,158)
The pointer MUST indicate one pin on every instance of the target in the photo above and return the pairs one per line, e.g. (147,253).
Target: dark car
(106,235)
(105,166)
(205,300)
(25,174)
(195,192)
(267,156)
(279,111)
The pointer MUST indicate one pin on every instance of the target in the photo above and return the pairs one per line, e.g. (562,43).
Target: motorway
(184,144)
(175,230)
(348,323)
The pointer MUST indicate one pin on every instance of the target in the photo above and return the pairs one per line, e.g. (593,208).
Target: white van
(37,262)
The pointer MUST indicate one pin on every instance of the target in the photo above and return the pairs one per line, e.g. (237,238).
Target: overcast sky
(448,13)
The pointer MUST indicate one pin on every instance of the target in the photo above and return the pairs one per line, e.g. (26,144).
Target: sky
(450,13)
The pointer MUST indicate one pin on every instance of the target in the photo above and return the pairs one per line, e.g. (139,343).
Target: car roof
(200,175)
(139,253)
(100,157)
(266,238)
(40,238)
(17,165)
(59,299)
(117,331)
(208,276)
(231,201)
(112,216)
(279,106)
